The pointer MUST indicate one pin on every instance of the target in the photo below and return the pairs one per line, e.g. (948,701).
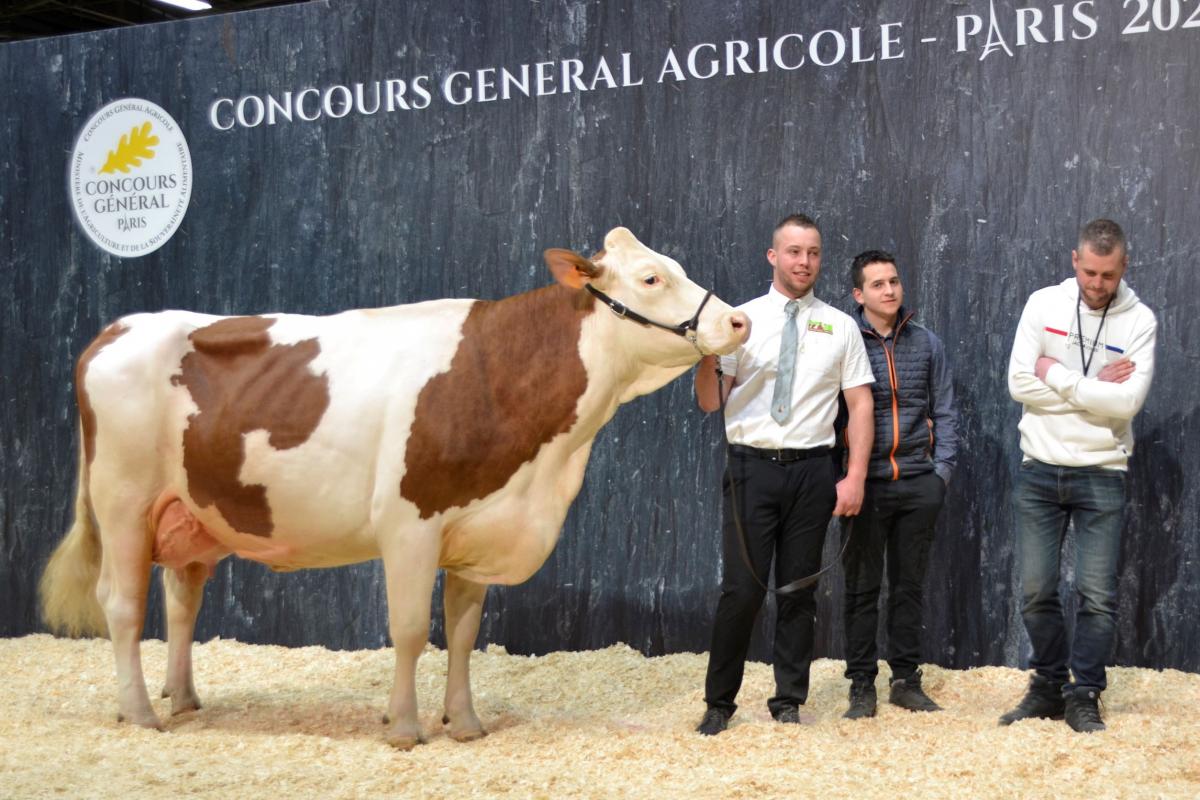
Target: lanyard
(1087,362)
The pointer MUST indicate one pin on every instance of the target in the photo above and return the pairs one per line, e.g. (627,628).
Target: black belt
(777,454)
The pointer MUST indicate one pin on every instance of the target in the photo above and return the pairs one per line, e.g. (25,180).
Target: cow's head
(655,287)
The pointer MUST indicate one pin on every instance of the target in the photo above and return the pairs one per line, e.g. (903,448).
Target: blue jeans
(1048,498)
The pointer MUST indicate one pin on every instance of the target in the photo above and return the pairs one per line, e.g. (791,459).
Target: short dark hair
(801,220)
(868,257)
(1102,236)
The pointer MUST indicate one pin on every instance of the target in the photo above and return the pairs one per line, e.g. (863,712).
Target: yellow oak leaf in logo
(133,147)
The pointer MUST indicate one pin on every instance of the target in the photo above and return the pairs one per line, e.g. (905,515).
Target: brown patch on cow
(512,386)
(241,382)
(87,415)
(584,301)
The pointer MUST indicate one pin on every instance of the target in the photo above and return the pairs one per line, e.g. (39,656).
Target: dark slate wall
(975,167)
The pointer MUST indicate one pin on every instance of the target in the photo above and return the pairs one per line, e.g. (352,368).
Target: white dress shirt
(831,357)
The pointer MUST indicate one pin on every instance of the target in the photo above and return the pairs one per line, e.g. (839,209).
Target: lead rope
(800,583)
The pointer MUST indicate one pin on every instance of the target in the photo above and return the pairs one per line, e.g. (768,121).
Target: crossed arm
(1118,390)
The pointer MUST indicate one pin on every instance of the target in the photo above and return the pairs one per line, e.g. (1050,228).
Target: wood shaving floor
(305,723)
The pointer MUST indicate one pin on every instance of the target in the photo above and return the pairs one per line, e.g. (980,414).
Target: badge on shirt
(816,326)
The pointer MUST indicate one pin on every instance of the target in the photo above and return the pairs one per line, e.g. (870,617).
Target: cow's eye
(650,280)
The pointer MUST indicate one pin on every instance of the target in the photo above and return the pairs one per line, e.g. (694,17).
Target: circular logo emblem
(130,177)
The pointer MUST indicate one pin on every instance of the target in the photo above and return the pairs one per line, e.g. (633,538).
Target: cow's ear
(569,268)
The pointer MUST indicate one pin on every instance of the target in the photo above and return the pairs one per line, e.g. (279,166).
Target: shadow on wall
(1160,552)
(971,584)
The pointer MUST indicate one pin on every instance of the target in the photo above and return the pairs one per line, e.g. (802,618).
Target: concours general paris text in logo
(130,177)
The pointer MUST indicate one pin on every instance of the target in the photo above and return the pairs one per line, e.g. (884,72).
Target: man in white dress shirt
(782,387)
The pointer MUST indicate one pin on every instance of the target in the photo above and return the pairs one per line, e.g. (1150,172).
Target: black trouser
(897,518)
(784,508)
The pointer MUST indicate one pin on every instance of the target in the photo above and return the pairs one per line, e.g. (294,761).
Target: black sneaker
(862,699)
(715,720)
(907,693)
(1044,700)
(788,715)
(1082,710)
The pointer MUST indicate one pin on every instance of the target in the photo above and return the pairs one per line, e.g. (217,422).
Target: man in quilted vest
(913,456)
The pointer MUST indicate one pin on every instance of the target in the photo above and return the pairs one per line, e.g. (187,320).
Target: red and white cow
(449,434)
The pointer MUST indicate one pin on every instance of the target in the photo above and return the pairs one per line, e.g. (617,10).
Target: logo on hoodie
(1075,338)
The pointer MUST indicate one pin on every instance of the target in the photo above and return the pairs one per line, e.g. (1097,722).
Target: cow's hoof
(467,736)
(182,701)
(467,732)
(182,705)
(404,740)
(145,720)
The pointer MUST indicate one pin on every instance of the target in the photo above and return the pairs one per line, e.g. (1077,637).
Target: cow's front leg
(410,570)
(464,607)
(182,592)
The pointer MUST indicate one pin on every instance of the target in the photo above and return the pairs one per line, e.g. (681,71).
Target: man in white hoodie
(1081,366)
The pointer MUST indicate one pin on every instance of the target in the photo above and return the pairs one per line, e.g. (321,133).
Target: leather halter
(688,329)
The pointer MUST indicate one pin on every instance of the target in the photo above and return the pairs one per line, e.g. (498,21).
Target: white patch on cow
(290,329)
(138,411)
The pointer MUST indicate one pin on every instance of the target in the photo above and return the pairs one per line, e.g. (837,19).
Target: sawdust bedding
(305,723)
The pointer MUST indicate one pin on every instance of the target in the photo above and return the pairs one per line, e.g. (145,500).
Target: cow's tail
(68,585)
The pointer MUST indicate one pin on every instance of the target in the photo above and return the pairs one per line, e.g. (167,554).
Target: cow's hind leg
(122,590)
(464,607)
(183,590)
(410,571)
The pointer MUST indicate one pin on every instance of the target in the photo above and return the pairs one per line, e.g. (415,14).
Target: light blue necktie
(781,402)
